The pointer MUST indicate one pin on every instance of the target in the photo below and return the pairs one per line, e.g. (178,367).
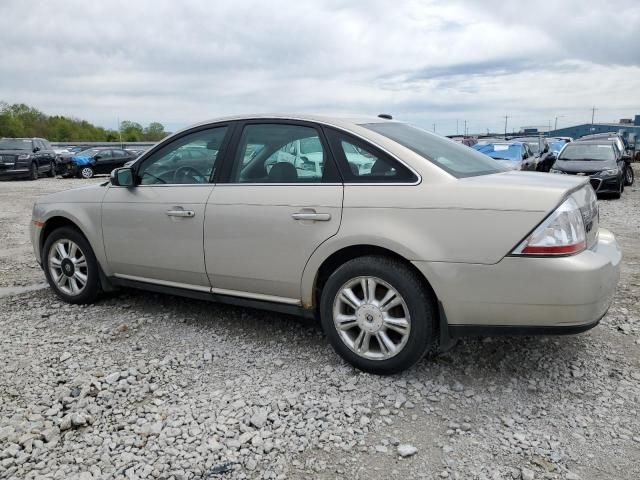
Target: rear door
(271,210)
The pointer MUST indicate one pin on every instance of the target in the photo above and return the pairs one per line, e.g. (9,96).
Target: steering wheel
(182,173)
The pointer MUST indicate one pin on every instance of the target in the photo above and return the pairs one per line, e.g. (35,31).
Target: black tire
(419,302)
(33,171)
(92,287)
(629,176)
(52,169)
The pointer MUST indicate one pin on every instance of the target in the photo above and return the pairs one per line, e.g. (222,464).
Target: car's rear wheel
(86,172)
(378,315)
(629,176)
(33,171)
(70,266)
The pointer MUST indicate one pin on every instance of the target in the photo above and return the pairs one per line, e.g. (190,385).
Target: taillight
(562,233)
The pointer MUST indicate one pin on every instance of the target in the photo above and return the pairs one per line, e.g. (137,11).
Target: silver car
(425,242)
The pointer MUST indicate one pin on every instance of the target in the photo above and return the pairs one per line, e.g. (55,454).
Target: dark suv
(26,157)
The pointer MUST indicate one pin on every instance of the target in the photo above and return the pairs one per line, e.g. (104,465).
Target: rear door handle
(318,217)
(181,213)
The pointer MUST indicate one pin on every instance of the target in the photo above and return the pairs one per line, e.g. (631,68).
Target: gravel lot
(148,386)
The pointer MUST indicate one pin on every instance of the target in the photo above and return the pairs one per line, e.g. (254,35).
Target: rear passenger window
(281,153)
(363,163)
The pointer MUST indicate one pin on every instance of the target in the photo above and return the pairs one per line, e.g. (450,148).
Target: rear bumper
(521,295)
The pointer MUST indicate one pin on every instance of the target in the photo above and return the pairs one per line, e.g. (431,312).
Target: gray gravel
(148,386)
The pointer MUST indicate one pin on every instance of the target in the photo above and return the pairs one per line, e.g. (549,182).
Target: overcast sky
(427,62)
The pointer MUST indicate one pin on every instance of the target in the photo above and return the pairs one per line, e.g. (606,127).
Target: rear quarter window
(456,159)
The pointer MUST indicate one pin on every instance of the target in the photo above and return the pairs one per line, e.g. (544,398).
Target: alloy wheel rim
(86,172)
(68,267)
(371,318)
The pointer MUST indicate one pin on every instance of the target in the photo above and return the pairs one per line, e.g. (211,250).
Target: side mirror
(97,157)
(122,177)
(36,149)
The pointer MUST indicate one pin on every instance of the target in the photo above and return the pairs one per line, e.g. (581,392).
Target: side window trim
(238,126)
(220,159)
(333,133)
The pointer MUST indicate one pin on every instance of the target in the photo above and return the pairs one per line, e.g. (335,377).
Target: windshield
(501,151)
(556,146)
(15,144)
(576,151)
(458,160)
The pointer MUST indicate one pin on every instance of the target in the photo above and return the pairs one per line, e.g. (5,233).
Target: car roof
(346,121)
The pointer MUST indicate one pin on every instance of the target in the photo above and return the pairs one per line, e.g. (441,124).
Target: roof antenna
(386,116)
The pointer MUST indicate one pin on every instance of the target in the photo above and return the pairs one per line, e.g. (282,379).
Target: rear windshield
(458,160)
(501,151)
(577,151)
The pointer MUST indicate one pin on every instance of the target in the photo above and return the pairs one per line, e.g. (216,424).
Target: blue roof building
(628,128)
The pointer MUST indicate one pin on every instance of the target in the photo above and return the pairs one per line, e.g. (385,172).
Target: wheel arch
(55,222)
(58,221)
(310,296)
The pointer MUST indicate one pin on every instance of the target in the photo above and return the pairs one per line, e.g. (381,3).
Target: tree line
(20,120)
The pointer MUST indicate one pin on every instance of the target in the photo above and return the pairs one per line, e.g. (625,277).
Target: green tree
(131,131)
(20,120)
(154,132)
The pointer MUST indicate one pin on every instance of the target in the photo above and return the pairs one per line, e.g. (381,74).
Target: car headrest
(380,167)
(283,172)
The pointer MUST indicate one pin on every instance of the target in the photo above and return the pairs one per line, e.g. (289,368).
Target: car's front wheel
(629,176)
(52,169)
(33,171)
(70,266)
(86,172)
(378,315)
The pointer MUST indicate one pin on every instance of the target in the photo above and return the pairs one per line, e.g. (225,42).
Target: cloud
(429,62)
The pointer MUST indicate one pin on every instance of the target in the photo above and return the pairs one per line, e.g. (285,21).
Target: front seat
(283,172)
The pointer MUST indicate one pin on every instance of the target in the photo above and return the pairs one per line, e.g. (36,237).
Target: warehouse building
(631,127)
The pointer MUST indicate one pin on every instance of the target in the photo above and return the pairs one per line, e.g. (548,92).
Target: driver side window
(189,159)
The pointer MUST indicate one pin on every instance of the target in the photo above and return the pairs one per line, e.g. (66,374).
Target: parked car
(511,155)
(26,157)
(539,146)
(621,144)
(63,159)
(434,242)
(96,161)
(557,143)
(599,160)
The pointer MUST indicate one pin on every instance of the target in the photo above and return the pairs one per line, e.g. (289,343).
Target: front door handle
(181,213)
(318,217)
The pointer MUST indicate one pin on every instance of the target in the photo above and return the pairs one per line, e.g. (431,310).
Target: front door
(270,211)
(153,231)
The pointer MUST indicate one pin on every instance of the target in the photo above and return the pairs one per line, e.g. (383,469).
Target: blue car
(512,155)
(95,161)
